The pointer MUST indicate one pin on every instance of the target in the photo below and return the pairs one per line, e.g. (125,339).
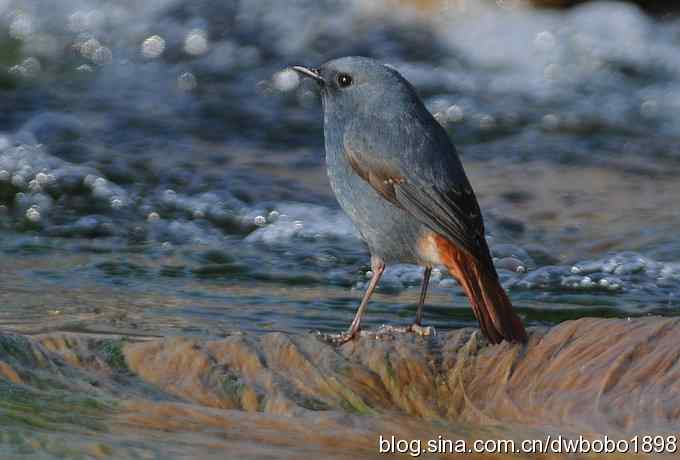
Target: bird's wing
(413,164)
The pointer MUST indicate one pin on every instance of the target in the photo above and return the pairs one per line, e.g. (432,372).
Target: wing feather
(422,176)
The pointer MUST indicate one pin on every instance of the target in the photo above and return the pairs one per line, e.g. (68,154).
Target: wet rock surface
(286,395)
(164,149)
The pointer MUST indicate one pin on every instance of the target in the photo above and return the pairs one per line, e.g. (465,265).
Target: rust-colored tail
(490,304)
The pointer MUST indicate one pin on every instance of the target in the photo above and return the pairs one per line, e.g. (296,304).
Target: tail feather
(490,304)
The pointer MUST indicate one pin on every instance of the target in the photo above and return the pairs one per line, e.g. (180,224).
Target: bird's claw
(423,331)
(380,333)
(417,329)
(338,339)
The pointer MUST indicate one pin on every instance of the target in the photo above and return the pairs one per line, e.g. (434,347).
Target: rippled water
(159,177)
(149,155)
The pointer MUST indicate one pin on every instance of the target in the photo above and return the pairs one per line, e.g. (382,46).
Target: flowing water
(160,177)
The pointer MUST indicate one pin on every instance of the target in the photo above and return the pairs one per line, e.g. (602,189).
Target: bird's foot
(383,332)
(417,329)
(338,339)
(423,331)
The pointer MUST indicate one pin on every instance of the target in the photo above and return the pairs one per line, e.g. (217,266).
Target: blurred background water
(159,176)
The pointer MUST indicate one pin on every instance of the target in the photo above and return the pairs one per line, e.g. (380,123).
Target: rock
(455,377)
(292,395)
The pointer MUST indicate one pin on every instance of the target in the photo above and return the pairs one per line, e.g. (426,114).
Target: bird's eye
(344,80)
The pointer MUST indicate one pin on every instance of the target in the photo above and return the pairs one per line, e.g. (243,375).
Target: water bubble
(551,71)
(649,108)
(89,180)
(116,203)
(89,47)
(31,67)
(42,178)
(260,220)
(570,281)
(487,122)
(544,41)
(153,217)
(630,266)
(586,282)
(264,87)
(454,114)
(550,121)
(439,104)
(587,267)
(286,80)
(447,283)
(510,263)
(102,56)
(95,18)
(21,26)
(84,68)
(186,81)
(78,21)
(18,181)
(610,265)
(33,214)
(17,70)
(509,4)
(273,216)
(153,47)
(196,42)
(169,195)
(436,275)
(4,175)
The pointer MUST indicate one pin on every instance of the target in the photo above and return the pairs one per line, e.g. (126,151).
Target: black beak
(311,73)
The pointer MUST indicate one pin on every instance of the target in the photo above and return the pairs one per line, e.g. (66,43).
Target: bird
(396,173)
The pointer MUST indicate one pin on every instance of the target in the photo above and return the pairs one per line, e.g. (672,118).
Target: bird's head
(355,85)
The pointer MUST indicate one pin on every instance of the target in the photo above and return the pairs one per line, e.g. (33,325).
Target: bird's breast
(390,232)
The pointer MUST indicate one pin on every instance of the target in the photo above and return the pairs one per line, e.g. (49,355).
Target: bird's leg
(423,295)
(378,267)
(417,327)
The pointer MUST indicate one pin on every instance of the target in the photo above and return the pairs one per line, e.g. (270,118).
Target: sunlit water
(159,177)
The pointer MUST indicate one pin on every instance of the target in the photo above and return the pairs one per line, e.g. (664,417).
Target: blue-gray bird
(396,174)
